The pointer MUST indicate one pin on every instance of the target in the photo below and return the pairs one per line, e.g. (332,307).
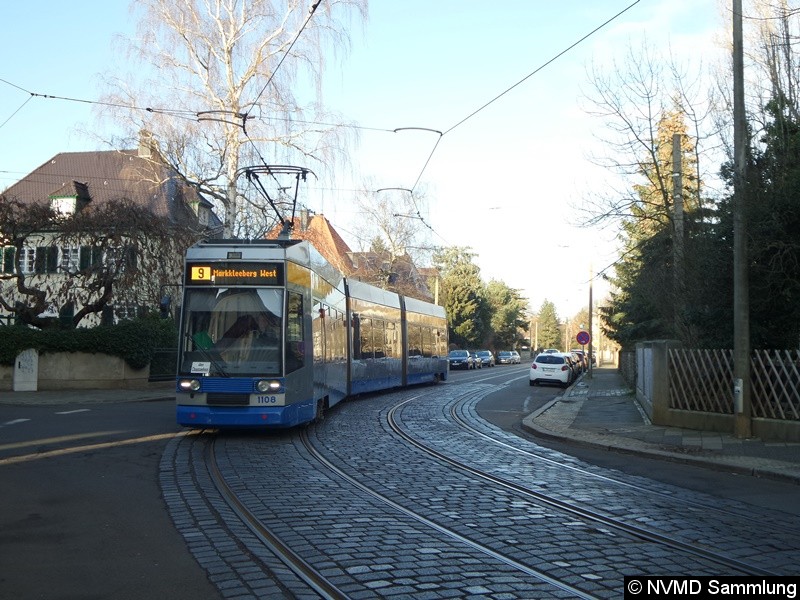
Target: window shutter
(8,259)
(130,258)
(85,257)
(40,260)
(52,259)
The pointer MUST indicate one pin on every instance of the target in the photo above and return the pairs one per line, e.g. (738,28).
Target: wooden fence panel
(702,380)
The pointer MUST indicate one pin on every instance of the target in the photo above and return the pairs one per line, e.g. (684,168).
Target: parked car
(552,367)
(476,359)
(551,351)
(577,361)
(515,355)
(460,359)
(487,358)
(584,359)
(504,357)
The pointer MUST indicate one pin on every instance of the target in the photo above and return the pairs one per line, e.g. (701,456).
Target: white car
(551,367)
(515,356)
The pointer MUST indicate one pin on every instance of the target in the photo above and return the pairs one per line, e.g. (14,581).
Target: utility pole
(741,296)
(591,331)
(677,242)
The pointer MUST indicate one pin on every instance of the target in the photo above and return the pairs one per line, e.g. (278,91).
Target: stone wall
(80,370)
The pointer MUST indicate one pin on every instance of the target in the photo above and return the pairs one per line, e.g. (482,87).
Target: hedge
(134,341)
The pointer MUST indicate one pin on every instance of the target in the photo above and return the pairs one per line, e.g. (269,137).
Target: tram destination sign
(234,273)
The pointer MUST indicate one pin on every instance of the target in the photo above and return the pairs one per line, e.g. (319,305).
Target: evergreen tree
(507,311)
(463,297)
(549,331)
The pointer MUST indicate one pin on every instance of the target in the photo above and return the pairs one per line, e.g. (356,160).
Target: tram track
(324,586)
(642,533)
(456,413)
(526,570)
(296,563)
(375,483)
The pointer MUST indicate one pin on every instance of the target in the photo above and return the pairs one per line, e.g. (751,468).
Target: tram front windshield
(232,332)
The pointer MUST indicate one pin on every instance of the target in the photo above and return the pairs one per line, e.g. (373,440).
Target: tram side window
(414,340)
(366,338)
(427,342)
(391,341)
(319,316)
(439,341)
(295,344)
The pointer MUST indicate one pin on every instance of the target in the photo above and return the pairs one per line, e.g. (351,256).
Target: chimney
(303,219)
(147,144)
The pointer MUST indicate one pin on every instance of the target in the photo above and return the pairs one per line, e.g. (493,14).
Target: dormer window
(64,205)
(70,198)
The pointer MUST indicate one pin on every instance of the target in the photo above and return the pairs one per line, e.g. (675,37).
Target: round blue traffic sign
(583,337)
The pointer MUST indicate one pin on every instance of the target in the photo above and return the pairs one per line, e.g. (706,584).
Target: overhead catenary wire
(518,83)
(211,115)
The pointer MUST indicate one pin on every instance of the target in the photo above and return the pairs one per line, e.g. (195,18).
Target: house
(145,216)
(398,273)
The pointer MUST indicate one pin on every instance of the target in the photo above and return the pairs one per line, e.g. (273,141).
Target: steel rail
(584,513)
(576,592)
(305,571)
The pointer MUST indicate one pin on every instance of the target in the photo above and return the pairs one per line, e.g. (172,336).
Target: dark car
(460,359)
(487,358)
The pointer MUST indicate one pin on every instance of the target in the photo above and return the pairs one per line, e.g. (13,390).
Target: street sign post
(584,338)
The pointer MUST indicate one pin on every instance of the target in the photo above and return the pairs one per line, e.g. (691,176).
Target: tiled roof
(358,265)
(323,237)
(111,175)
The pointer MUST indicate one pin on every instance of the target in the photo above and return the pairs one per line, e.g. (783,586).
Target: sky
(504,181)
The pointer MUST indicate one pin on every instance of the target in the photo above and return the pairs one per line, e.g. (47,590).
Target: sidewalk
(603,412)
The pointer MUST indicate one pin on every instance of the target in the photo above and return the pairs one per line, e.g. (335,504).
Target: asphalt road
(83,522)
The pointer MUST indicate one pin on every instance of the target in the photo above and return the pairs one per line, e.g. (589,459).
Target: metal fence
(163,364)
(702,380)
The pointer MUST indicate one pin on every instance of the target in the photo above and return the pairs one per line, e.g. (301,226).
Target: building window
(27,260)
(64,206)
(89,256)
(125,312)
(121,259)
(70,259)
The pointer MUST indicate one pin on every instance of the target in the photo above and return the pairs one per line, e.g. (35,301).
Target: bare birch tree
(772,68)
(394,229)
(231,84)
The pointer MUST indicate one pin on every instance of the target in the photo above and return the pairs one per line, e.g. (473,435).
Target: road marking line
(15,421)
(64,451)
(57,440)
(70,412)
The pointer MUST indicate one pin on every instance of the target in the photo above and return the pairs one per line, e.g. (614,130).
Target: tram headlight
(189,385)
(268,385)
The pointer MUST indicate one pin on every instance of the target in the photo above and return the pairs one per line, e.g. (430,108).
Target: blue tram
(272,335)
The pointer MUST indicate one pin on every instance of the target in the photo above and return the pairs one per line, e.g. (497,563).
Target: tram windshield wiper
(208,356)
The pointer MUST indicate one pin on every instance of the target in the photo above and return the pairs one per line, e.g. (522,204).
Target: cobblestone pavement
(400,522)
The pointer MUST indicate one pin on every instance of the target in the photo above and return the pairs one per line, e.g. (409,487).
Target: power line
(285,54)
(528,76)
(532,73)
